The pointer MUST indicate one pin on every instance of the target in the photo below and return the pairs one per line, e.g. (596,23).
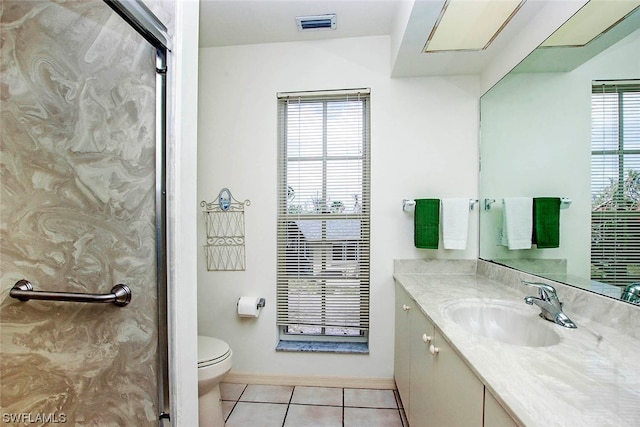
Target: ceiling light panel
(593,19)
(470,24)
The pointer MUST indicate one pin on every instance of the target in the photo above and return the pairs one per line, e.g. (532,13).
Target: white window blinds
(323,214)
(615,182)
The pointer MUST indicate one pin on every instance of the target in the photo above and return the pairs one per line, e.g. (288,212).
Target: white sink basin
(502,321)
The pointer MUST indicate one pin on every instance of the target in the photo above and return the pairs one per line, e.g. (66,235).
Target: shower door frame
(136,14)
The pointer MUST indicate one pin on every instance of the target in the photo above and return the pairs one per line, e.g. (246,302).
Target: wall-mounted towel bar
(488,203)
(409,205)
(23,290)
(564,203)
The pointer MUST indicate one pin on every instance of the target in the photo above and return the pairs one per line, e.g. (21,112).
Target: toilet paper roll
(248,307)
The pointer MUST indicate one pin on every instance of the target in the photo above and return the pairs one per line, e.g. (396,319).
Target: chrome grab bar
(23,290)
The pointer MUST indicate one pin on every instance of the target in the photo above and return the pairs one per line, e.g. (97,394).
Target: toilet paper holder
(250,306)
(260,304)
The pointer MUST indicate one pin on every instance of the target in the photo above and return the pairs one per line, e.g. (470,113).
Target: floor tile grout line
(231,411)
(325,405)
(369,407)
(401,417)
(400,406)
(235,403)
(343,407)
(284,420)
(242,392)
(396,396)
(314,404)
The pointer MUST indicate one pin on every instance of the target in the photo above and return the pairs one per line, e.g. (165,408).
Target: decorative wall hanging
(224,224)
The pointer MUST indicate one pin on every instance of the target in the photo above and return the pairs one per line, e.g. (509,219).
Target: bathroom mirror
(536,142)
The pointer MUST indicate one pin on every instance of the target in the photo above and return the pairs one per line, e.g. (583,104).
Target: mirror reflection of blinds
(323,215)
(615,182)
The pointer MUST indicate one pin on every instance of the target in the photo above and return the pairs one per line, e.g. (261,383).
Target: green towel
(426,221)
(546,222)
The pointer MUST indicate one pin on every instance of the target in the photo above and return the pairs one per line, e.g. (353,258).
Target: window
(615,182)
(323,216)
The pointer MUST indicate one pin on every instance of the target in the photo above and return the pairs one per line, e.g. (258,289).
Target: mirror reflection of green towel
(426,221)
(546,222)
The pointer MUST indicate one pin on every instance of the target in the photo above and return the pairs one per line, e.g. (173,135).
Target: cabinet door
(436,389)
(459,394)
(494,413)
(402,344)
(422,391)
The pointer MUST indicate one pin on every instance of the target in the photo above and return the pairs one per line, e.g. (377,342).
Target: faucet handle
(545,290)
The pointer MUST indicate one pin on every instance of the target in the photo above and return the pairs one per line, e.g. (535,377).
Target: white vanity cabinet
(494,414)
(402,347)
(436,387)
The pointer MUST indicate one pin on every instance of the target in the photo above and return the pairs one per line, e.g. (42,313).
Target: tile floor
(288,406)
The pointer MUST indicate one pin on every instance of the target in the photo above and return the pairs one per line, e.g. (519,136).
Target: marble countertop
(590,378)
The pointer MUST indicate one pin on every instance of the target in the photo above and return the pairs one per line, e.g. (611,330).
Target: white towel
(517,214)
(455,223)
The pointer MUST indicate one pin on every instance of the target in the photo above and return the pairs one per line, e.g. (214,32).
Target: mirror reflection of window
(615,182)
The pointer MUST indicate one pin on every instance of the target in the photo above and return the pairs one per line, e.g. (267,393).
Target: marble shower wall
(77,214)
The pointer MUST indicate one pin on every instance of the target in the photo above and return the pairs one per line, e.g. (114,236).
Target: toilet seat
(211,351)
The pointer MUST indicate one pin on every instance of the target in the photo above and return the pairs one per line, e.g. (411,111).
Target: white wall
(424,135)
(182,207)
(536,141)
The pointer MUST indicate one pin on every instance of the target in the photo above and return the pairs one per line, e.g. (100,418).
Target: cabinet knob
(434,350)
(405,307)
(427,338)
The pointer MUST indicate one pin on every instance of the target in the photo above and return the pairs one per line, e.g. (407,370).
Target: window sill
(323,347)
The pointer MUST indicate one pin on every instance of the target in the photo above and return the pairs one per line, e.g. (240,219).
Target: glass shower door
(77,214)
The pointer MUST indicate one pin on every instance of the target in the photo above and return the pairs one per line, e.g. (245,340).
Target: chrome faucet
(549,304)
(631,293)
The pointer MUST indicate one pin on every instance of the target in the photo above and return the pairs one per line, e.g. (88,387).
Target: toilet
(214,362)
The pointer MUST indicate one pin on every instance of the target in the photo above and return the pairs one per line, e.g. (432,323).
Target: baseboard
(309,380)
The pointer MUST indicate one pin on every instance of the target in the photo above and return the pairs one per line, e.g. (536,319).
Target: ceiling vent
(316,22)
